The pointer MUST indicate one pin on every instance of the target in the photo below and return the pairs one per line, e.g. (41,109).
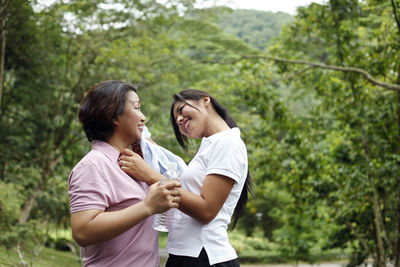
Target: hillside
(255,27)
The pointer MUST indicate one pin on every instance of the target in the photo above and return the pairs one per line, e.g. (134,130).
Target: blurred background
(315,89)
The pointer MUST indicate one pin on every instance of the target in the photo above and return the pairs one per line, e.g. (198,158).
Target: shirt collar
(215,137)
(111,152)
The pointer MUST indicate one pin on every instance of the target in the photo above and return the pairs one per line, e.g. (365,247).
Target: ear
(115,122)
(206,100)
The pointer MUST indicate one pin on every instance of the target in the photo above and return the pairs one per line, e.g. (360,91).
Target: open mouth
(185,125)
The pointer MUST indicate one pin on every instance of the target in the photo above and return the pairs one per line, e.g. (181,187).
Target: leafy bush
(10,204)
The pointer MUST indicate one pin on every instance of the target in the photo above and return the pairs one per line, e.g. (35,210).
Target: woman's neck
(118,143)
(216,124)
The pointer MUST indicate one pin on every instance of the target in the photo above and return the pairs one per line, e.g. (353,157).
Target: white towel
(158,157)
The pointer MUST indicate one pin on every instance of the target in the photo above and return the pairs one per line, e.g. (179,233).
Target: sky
(288,6)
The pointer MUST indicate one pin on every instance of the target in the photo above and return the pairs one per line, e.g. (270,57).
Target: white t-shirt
(223,153)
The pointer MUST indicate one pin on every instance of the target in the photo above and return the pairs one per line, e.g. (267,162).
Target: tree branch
(21,256)
(395,15)
(363,242)
(363,73)
(299,72)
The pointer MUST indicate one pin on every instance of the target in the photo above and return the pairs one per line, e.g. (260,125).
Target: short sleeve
(228,157)
(88,189)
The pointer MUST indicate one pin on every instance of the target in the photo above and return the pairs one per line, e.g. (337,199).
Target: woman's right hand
(134,165)
(162,197)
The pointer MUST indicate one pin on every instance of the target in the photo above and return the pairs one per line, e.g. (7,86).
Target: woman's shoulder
(231,138)
(93,158)
(88,168)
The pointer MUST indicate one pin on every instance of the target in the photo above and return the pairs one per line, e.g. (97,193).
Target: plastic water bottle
(163,221)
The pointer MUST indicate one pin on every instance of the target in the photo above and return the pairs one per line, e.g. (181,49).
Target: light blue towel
(158,157)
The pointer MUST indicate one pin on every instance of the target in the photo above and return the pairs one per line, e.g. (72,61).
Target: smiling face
(191,118)
(129,124)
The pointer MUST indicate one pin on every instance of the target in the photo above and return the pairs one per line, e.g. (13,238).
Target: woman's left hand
(134,165)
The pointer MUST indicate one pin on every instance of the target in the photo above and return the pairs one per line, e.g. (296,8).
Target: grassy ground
(254,250)
(48,257)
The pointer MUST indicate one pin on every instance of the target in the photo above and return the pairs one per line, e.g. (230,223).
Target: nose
(179,119)
(142,117)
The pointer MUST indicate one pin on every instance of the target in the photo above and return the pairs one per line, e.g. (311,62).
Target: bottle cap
(172,166)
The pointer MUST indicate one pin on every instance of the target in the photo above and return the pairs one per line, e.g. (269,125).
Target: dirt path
(330,264)
(321,264)
(164,255)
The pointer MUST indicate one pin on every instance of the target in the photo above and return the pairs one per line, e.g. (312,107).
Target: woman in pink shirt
(215,184)
(111,212)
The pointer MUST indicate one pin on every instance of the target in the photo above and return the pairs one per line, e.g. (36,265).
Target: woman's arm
(95,226)
(204,207)
(214,192)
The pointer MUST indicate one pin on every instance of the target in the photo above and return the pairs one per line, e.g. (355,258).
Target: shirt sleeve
(228,158)
(88,189)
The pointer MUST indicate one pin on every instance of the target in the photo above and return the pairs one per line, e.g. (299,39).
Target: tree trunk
(396,251)
(3,15)
(2,56)
(336,18)
(28,206)
(31,200)
(3,170)
(362,240)
(381,259)
(49,163)
(378,223)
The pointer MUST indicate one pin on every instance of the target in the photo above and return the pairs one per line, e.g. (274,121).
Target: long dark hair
(196,95)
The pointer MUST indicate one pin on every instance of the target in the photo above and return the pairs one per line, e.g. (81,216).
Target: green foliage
(323,146)
(340,146)
(256,28)
(10,204)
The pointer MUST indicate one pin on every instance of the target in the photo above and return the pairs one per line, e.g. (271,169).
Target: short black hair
(100,107)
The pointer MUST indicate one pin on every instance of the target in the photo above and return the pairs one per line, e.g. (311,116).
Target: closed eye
(179,110)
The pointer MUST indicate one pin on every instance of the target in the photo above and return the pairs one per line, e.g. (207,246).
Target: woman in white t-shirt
(214,185)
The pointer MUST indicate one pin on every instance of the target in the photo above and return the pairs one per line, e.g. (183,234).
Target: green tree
(355,124)
(45,79)
(73,46)
(339,156)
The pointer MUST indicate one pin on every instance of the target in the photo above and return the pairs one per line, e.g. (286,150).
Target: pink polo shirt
(98,183)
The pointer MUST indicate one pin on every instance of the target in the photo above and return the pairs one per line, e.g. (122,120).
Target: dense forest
(316,95)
